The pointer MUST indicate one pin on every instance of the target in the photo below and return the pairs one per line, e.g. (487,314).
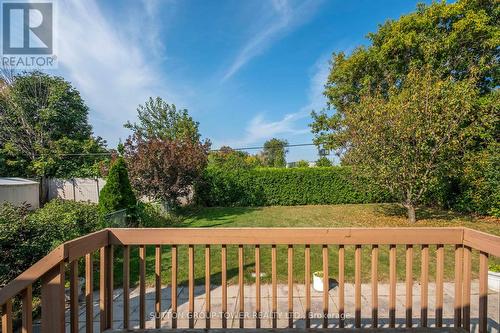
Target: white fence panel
(77,189)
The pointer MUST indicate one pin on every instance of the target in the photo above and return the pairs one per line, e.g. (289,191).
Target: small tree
(165,170)
(230,159)
(302,164)
(274,153)
(117,193)
(406,140)
(323,162)
(160,120)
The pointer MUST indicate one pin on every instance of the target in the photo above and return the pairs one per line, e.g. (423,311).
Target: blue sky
(246,70)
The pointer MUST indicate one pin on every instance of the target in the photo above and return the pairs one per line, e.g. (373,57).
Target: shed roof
(15,181)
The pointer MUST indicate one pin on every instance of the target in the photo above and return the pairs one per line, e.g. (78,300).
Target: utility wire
(212,150)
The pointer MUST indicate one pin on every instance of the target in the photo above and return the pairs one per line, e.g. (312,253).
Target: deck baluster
(374,279)
(142,287)
(241,285)
(341,286)
(73,286)
(392,286)
(357,286)
(157,286)
(326,287)
(174,286)
(274,287)
(483,292)
(459,257)
(290,286)
(191,285)
(424,285)
(439,284)
(224,285)
(126,286)
(409,286)
(89,293)
(27,310)
(307,255)
(207,286)
(257,287)
(467,287)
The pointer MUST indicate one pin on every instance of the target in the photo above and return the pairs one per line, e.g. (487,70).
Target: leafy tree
(165,169)
(117,194)
(160,120)
(274,153)
(323,162)
(450,38)
(408,139)
(480,182)
(231,159)
(43,118)
(165,154)
(302,164)
(456,41)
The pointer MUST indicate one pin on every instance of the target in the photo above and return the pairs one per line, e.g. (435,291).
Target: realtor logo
(27,29)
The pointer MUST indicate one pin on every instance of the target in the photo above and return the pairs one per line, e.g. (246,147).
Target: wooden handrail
(482,241)
(32,274)
(285,236)
(51,269)
(68,251)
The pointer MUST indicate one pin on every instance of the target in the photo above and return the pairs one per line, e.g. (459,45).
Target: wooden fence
(74,189)
(51,272)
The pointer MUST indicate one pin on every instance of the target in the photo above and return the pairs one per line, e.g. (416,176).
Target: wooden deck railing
(51,270)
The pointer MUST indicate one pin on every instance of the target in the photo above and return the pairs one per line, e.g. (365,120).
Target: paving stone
(282,299)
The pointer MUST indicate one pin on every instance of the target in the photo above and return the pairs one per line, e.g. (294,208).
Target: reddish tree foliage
(164,169)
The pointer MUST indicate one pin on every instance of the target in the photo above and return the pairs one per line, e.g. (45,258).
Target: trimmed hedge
(284,187)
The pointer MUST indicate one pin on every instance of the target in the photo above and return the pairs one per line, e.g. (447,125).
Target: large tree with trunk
(408,139)
(454,44)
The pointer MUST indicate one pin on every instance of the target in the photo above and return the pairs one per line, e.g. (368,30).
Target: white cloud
(292,124)
(259,129)
(286,18)
(320,72)
(112,73)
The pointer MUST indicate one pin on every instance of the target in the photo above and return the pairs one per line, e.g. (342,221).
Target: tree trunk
(411,213)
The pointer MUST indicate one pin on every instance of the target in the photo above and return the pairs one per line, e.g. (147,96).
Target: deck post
(53,300)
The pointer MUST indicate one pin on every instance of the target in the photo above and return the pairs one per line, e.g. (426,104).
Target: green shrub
(117,194)
(21,241)
(63,220)
(494,268)
(26,237)
(153,215)
(280,186)
(302,164)
(323,162)
(479,186)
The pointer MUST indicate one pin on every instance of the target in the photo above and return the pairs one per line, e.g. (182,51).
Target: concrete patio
(299,307)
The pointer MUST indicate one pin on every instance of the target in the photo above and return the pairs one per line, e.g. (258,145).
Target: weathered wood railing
(51,272)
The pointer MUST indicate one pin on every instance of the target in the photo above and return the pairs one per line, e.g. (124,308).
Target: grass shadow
(422,213)
(212,216)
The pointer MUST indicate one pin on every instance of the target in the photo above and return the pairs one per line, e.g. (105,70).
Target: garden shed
(19,191)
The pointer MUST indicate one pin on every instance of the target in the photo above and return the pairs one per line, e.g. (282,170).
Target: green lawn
(369,215)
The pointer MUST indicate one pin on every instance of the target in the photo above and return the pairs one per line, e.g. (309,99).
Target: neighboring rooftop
(15,181)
